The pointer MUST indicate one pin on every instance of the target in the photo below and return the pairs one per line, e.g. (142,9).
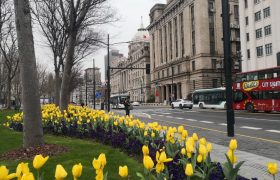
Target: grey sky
(129,11)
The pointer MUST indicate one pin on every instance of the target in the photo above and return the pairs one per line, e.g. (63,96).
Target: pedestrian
(82,104)
(127,107)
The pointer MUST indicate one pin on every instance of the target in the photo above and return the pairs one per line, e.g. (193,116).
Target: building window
(247,20)
(267,30)
(193,65)
(257,1)
(167,72)
(266,12)
(258,16)
(165,42)
(236,12)
(193,84)
(176,37)
(214,63)
(259,51)
(215,83)
(179,69)
(162,73)
(259,33)
(182,34)
(160,39)
(246,3)
(248,54)
(158,75)
(170,40)
(193,29)
(248,36)
(268,49)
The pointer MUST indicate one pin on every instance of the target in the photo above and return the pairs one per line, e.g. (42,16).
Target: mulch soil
(31,152)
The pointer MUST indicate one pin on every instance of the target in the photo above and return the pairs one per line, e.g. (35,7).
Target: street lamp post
(86,88)
(172,79)
(93,83)
(228,67)
(108,74)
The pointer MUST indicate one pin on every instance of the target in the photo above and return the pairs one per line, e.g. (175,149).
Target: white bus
(210,98)
(117,101)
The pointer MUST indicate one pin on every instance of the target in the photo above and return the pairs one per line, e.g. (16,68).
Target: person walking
(127,107)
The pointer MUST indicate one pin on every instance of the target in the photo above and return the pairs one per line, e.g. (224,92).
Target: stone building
(187,47)
(260,37)
(135,82)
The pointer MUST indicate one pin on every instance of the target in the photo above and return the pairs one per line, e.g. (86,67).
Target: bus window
(254,94)
(239,77)
(239,96)
(276,95)
(252,76)
(195,98)
(261,75)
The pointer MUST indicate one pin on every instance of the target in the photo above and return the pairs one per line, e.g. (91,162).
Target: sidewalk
(255,166)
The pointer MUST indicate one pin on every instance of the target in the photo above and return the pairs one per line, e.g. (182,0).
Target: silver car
(182,103)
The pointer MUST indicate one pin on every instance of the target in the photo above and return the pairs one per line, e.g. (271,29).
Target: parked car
(135,103)
(182,103)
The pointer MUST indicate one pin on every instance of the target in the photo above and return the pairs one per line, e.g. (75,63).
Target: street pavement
(258,134)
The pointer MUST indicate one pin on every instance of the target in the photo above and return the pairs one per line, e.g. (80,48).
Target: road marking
(179,118)
(169,116)
(248,127)
(223,124)
(223,132)
(165,113)
(255,119)
(207,122)
(274,131)
(191,120)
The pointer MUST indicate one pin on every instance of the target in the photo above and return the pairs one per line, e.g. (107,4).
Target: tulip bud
(199,158)
(180,129)
(60,172)
(202,141)
(28,176)
(39,161)
(77,170)
(183,151)
(195,137)
(233,144)
(148,162)
(145,150)
(123,171)
(189,170)
(209,147)
(272,168)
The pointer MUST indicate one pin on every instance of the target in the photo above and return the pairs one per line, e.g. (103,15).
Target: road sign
(98,95)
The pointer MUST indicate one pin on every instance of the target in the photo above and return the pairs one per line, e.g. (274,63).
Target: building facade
(114,56)
(260,37)
(187,47)
(135,82)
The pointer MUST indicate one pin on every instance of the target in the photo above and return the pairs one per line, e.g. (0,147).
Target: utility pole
(108,74)
(228,67)
(93,83)
(172,74)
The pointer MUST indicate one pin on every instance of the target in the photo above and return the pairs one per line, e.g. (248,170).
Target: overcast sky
(129,11)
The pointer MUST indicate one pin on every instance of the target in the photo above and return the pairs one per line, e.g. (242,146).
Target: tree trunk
(32,122)
(8,102)
(57,88)
(67,71)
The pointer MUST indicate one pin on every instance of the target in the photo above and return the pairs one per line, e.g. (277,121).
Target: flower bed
(176,154)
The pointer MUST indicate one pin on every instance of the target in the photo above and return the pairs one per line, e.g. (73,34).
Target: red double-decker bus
(257,90)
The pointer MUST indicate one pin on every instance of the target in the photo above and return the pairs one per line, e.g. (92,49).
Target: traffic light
(148,70)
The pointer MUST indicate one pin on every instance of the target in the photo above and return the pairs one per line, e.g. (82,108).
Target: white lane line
(255,119)
(154,114)
(223,124)
(160,115)
(274,131)
(169,116)
(207,122)
(191,120)
(165,113)
(248,127)
(179,118)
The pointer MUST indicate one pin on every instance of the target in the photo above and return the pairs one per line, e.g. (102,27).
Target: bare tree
(32,120)
(78,15)
(43,79)
(48,16)
(8,46)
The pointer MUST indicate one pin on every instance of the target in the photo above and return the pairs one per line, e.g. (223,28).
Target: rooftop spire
(142,25)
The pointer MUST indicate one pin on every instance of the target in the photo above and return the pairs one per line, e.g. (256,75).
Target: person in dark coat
(127,107)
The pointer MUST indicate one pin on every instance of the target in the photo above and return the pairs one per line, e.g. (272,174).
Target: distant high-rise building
(260,37)
(114,56)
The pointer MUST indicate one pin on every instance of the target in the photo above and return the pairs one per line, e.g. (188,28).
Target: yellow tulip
(145,133)
(28,176)
(180,129)
(96,164)
(202,141)
(4,174)
(148,162)
(184,134)
(99,175)
(202,150)
(153,135)
(272,168)
(233,144)
(102,159)
(189,170)
(199,158)
(123,171)
(231,156)
(22,168)
(195,137)
(77,170)
(145,150)
(39,161)
(189,155)
(209,147)
(115,123)
(183,151)
(161,159)
(60,172)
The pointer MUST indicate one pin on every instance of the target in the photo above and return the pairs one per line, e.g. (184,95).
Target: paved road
(258,133)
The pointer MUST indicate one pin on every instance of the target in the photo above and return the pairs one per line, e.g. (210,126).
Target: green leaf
(140,175)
